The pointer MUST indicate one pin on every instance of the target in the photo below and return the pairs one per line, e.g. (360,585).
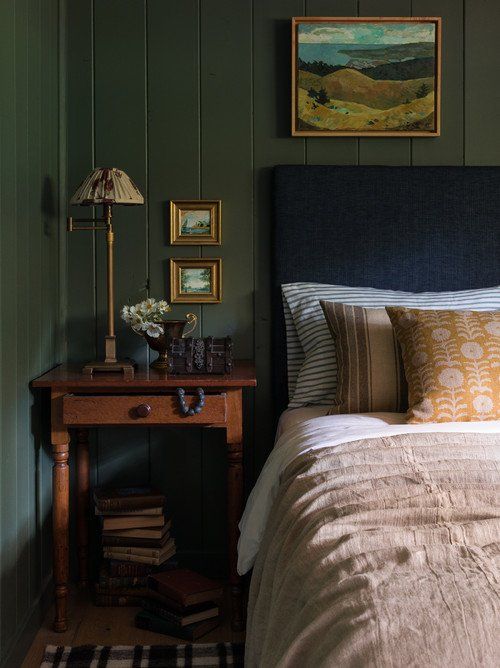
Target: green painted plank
(332,150)
(448,148)
(24,225)
(226,173)
(120,122)
(482,94)
(8,327)
(174,173)
(381,150)
(81,326)
(272,146)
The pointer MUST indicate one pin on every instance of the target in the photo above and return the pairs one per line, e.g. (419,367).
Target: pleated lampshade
(107,185)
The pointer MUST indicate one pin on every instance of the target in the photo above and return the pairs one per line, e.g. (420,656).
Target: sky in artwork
(365,33)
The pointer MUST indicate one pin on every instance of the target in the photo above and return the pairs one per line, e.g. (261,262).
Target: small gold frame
(211,237)
(178,292)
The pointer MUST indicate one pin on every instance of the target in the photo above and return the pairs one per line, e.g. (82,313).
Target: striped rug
(144,656)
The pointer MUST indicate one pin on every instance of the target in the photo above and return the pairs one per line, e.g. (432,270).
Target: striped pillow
(311,360)
(370,369)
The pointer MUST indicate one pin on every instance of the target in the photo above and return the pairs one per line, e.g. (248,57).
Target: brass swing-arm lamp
(106,186)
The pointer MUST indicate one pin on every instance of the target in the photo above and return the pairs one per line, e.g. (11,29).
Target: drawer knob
(143,410)
(197,408)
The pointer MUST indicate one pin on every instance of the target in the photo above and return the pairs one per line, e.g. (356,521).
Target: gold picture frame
(195,280)
(195,222)
(342,68)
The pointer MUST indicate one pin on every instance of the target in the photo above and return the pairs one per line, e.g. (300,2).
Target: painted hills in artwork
(363,77)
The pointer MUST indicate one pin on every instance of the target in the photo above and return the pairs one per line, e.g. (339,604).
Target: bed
(375,542)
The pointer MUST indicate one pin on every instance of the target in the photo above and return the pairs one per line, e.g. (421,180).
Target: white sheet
(313,434)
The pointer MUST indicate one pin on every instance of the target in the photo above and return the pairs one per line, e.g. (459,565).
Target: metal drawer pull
(143,410)
(184,408)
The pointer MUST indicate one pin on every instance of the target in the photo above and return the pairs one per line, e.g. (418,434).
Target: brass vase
(172,329)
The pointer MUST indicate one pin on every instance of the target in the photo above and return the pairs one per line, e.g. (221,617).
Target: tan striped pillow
(370,370)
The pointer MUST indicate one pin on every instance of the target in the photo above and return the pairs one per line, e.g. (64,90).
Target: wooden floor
(91,625)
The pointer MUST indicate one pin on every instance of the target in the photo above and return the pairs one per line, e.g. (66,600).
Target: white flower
(471,350)
(440,334)
(451,378)
(154,330)
(419,358)
(493,327)
(482,404)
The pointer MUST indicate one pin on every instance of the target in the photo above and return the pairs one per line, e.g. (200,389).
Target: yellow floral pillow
(452,363)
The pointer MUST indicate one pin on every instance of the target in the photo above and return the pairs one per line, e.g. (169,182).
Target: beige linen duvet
(382,552)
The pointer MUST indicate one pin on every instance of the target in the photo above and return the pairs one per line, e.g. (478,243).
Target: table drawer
(141,410)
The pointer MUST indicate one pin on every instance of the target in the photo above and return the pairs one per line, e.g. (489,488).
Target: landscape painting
(195,280)
(195,222)
(365,77)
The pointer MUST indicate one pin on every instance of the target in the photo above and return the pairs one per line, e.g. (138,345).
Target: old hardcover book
(140,511)
(146,620)
(118,541)
(142,551)
(191,615)
(132,521)
(127,498)
(155,533)
(155,561)
(126,568)
(185,586)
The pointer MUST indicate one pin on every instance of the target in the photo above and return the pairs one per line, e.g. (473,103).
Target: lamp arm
(72,228)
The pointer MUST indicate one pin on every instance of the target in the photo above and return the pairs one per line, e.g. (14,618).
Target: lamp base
(127,367)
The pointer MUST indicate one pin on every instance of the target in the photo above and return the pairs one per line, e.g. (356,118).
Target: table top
(70,376)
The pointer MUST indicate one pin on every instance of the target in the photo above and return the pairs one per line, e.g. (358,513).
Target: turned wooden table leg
(60,511)
(235,500)
(83,476)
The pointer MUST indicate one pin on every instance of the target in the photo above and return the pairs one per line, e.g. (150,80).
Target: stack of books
(136,542)
(180,603)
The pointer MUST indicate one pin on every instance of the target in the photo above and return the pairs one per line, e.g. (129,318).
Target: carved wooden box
(209,355)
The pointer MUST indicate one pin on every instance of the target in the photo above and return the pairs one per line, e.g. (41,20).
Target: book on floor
(132,521)
(127,498)
(139,511)
(149,533)
(146,620)
(118,568)
(157,552)
(189,615)
(185,586)
(143,559)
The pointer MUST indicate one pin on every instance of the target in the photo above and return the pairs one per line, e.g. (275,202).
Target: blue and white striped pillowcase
(311,359)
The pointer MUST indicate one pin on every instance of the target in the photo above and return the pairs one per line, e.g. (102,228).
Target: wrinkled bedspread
(382,552)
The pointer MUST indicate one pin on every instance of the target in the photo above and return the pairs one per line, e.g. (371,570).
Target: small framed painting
(366,77)
(195,280)
(195,222)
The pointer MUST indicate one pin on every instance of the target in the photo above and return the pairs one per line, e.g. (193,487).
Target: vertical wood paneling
(448,148)
(344,150)
(8,325)
(174,173)
(377,150)
(482,93)
(121,141)
(29,299)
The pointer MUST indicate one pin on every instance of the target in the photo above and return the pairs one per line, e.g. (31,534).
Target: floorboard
(92,625)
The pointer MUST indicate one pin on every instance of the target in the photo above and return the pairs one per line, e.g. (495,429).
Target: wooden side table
(79,402)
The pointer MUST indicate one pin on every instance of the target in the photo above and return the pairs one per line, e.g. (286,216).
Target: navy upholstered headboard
(403,228)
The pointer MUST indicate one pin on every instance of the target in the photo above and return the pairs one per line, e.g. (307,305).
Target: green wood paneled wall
(191,98)
(31,155)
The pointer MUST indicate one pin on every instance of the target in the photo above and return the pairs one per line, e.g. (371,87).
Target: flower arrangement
(146,317)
